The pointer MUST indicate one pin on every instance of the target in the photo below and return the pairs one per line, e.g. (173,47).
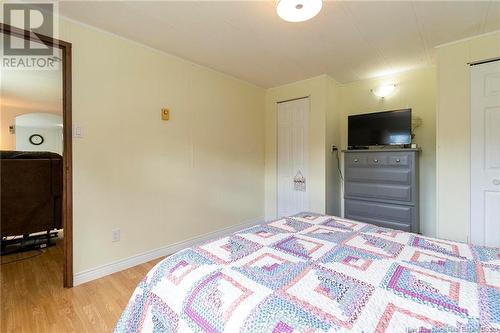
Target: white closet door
(485,154)
(293,157)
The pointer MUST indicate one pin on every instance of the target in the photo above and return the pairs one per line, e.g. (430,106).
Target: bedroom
(220,68)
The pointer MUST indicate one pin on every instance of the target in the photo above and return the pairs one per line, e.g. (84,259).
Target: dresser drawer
(379,191)
(379,159)
(379,175)
(401,160)
(384,215)
(356,160)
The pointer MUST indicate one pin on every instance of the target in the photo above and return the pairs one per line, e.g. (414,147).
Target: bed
(318,273)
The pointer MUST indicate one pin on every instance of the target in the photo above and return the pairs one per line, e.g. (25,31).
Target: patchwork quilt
(317,273)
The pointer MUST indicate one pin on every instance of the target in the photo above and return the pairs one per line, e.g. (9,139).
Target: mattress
(318,273)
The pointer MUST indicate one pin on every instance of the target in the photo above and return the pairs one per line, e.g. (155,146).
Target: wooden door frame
(67,206)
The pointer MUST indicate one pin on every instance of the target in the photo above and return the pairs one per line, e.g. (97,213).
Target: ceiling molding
(467,38)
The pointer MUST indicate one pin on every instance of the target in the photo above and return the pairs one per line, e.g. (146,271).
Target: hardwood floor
(33,299)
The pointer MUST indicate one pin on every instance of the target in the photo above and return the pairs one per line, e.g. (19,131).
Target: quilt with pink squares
(317,273)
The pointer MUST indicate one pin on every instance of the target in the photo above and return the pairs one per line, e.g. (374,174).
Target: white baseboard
(119,265)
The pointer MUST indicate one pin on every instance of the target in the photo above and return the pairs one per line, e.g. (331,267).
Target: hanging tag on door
(299,182)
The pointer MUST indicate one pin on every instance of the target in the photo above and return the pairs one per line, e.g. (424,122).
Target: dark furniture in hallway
(31,193)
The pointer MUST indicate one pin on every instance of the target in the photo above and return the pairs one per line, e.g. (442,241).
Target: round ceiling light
(298,10)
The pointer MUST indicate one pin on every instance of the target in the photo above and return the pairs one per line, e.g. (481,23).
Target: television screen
(381,128)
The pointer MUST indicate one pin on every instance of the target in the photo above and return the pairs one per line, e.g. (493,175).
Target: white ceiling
(348,40)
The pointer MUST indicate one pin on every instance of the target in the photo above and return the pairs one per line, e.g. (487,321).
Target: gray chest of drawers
(381,187)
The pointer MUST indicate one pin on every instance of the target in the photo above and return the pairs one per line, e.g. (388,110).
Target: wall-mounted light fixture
(298,10)
(384,91)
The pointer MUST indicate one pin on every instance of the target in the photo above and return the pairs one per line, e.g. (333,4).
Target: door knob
(496,181)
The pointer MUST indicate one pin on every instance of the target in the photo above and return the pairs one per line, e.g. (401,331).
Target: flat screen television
(380,128)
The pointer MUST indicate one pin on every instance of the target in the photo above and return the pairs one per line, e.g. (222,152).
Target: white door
(293,157)
(485,154)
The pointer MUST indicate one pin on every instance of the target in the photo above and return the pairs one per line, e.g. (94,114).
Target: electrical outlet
(333,148)
(115,235)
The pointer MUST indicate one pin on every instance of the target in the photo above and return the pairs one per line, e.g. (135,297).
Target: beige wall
(416,90)
(453,131)
(333,159)
(318,89)
(159,182)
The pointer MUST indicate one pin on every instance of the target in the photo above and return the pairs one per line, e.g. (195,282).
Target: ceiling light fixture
(298,10)
(384,91)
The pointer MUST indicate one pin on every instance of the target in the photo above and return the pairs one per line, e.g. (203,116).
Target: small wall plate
(165,114)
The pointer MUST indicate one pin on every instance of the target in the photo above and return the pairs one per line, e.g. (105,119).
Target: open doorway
(36,155)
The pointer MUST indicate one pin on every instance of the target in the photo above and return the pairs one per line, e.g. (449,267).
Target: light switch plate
(77,131)
(115,235)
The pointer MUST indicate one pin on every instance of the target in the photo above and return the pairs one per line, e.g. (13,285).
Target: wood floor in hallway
(33,299)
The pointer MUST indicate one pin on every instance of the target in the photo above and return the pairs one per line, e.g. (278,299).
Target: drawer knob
(398,160)
(496,181)
(375,160)
(355,160)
